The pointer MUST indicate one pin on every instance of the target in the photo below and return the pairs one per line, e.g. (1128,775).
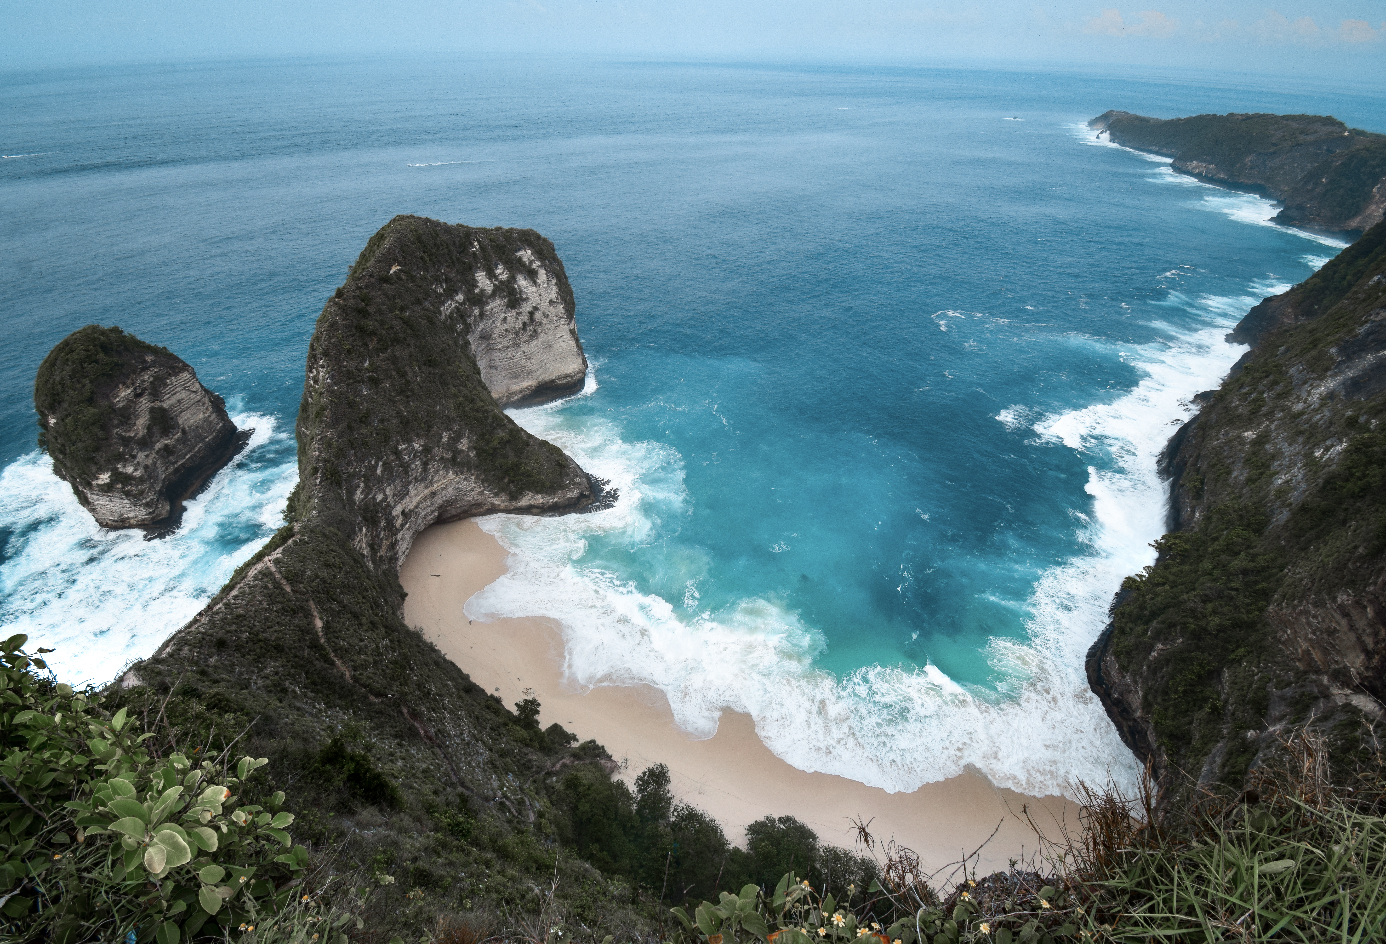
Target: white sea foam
(1037,731)
(104,598)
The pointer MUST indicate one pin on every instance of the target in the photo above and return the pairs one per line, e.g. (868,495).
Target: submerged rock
(129,426)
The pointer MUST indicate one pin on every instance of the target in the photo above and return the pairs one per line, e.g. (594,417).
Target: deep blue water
(882,360)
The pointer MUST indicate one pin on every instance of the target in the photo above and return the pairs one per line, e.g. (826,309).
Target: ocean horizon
(882,361)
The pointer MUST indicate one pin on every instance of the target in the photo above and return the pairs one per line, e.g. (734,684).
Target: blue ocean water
(882,360)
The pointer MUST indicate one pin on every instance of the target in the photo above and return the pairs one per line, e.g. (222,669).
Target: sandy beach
(732,775)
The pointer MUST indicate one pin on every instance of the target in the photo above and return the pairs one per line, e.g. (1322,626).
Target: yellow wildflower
(57,856)
(971,884)
(838,919)
(822,932)
(862,932)
(1045,904)
(985,928)
(965,896)
(241,928)
(875,926)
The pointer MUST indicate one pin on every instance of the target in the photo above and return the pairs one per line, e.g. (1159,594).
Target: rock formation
(129,426)
(399,427)
(1267,606)
(1327,175)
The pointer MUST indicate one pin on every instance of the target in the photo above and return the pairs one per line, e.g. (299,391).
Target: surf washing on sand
(882,406)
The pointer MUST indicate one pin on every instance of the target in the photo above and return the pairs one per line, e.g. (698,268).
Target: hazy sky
(1327,38)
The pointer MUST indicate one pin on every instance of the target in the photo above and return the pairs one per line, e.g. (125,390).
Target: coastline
(731,776)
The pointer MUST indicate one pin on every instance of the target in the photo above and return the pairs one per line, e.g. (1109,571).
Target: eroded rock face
(401,424)
(1266,610)
(524,336)
(129,426)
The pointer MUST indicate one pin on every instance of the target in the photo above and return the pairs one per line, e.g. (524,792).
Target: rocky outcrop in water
(1328,176)
(400,426)
(401,423)
(129,426)
(1267,606)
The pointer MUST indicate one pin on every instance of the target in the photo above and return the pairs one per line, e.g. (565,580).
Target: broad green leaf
(118,721)
(708,921)
(682,916)
(1279,865)
(131,826)
(121,787)
(781,888)
(205,837)
(124,806)
(166,801)
(209,899)
(167,933)
(282,820)
(177,852)
(211,874)
(173,828)
(754,923)
(279,834)
(155,857)
(749,891)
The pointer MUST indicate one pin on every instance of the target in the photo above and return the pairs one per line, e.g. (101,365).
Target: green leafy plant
(103,840)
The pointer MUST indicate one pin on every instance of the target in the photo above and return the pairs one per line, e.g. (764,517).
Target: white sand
(732,775)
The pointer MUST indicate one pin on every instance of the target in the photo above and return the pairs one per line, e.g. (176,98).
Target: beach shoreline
(731,776)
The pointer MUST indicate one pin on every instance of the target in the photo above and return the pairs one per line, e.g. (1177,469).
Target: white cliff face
(165,434)
(526,344)
(177,434)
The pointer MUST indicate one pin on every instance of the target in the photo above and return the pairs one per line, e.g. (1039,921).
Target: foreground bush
(102,839)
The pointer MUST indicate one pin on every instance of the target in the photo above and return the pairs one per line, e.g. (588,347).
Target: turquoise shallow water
(881,362)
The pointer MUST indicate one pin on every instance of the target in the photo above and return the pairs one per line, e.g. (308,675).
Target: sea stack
(129,426)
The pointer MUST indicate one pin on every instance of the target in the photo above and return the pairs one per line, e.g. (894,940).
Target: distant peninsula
(1326,175)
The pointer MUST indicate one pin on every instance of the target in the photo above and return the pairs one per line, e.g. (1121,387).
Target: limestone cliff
(398,428)
(401,423)
(129,426)
(1267,605)
(1328,176)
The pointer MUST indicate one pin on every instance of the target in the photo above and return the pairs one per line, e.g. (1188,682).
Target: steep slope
(128,426)
(305,650)
(1327,175)
(1267,605)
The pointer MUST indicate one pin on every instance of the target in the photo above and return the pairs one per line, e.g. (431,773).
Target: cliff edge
(398,429)
(1266,608)
(1327,176)
(128,426)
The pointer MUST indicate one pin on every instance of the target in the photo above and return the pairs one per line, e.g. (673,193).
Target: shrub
(103,840)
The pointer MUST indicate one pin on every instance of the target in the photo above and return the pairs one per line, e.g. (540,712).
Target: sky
(1330,39)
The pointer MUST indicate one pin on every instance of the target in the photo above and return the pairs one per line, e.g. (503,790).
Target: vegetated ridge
(397,763)
(129,427)
(1327,176)
(1266,608)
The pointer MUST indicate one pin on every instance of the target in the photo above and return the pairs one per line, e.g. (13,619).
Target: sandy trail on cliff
(732,775)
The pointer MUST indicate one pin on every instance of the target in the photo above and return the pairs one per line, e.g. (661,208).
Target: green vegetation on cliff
(71,385)
(1326,174)
(1265,608)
